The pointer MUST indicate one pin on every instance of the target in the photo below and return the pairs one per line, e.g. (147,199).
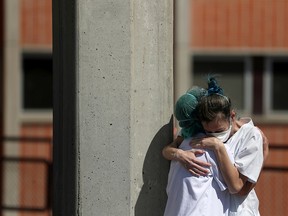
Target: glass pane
(37,82)
(231,76)
(280,81)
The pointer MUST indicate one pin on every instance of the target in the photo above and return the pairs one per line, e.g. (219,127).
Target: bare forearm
(171,151)
(187,158)
(234,180)
(246,188)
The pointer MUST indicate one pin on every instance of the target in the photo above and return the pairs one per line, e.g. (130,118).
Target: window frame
(33,115)
(247,75)
(268,87)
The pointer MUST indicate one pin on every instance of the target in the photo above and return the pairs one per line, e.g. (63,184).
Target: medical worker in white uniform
(245,142)
(189,194)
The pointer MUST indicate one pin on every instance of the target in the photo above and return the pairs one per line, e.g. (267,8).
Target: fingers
(198,173)
(265,148)
(197,170)
(198,151)
(265,144)
(197,143)
(199,163)
(194,165)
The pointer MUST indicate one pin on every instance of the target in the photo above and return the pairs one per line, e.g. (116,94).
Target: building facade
(245,42)
(27,107)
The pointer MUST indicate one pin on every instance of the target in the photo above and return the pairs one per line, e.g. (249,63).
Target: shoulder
(251,139)
(248,136)
(246,121)
(248,127)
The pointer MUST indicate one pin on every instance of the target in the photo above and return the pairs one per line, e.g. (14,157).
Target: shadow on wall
(152,198)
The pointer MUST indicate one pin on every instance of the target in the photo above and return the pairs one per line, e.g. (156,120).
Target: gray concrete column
(113,105)
(183,54)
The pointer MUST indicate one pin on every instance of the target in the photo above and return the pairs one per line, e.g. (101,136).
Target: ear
(233,114)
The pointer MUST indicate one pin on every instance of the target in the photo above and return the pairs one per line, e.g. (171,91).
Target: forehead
(220,123)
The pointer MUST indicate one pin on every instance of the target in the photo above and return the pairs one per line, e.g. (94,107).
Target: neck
(236,125)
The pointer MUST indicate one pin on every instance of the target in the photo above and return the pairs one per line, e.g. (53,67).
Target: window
(255,84)
(37,82)
(276,81)
(233,77)
(279,82)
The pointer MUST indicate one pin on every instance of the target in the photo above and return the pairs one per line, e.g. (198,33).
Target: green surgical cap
(197,92)
(185,111)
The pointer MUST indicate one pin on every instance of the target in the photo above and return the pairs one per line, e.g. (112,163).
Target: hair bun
(213,87)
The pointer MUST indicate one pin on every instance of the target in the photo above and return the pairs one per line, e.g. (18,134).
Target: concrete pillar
(113,106)
(183,54)
(12,101)
(12,68)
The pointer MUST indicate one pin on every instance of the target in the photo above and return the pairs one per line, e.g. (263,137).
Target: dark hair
(213,103)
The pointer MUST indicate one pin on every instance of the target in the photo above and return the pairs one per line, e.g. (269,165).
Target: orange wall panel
(36,22)
(277,135)
(34,176)
(272,192)
(41,150)
(271,188)
(239,23)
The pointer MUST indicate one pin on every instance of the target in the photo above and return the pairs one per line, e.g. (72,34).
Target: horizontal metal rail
(28,140)
(276,168)
(278,147)
(14,139)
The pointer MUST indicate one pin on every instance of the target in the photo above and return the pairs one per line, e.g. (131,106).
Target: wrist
(219,145)
(177,154)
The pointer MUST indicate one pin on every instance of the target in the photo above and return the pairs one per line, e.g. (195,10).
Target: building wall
(28,31)
(35,176)
(36,23)
(250,28)
(246,26)
(36,36)
(272,187)
(239,24)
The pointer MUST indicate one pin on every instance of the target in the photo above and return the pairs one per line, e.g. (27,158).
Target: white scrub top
(246,146)
(189,195)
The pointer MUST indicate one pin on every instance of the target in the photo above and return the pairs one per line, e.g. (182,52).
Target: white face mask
(223,136)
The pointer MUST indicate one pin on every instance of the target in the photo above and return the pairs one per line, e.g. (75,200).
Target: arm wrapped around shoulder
(249,160)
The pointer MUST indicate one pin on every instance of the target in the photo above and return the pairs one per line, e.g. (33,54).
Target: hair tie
(214,88)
